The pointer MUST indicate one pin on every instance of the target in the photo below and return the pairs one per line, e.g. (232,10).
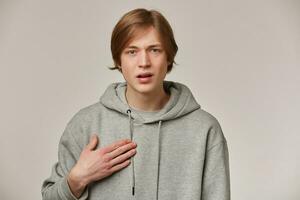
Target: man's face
(144,63)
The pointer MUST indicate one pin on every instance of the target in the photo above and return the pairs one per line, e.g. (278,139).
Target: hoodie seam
(215,145)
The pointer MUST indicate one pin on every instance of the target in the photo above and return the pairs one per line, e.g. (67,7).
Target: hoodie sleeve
(56,186)
(216,176)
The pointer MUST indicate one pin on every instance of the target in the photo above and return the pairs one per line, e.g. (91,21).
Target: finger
(115,145)
(121,150)
(120,166)
(93,142)
(123,157)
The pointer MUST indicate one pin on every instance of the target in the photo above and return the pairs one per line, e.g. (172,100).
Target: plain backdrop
(241,60)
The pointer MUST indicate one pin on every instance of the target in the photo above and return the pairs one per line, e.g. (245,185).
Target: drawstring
(132,158)
(158,156)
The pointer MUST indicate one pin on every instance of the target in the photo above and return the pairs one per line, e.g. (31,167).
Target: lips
(144,75)
(144,78)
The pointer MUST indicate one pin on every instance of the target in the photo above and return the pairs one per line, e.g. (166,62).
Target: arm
(216,175)
(56,186)
(216,178)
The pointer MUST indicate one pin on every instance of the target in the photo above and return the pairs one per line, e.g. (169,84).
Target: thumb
(93,142)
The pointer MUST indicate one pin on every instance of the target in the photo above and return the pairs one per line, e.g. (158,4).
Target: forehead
(144,36)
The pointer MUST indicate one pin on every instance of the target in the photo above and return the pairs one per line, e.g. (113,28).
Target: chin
(144,88)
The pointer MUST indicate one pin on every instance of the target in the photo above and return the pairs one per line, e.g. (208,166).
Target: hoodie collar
(181,101)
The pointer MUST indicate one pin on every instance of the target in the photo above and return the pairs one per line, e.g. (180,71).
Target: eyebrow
(150,46)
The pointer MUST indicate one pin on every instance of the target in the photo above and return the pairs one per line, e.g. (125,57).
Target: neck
(147,101)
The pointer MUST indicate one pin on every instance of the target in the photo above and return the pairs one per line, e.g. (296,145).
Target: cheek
(125,72)
(127,62)
(164,66)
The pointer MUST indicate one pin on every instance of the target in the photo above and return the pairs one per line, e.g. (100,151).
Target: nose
(144,60)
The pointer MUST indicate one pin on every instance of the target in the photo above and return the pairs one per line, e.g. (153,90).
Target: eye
(156,50)
(131,52)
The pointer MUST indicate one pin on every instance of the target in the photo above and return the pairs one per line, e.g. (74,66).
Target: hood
(181,101)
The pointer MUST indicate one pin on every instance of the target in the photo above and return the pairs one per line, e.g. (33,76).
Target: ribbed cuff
(66,193)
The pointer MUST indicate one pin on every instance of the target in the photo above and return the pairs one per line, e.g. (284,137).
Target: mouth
(144,77)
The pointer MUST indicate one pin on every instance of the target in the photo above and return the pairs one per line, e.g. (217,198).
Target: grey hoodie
(181,154)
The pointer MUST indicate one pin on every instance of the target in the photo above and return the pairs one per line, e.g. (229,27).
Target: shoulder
(211,126)
(77,126)
(86,113)
(204,117)
(82,120)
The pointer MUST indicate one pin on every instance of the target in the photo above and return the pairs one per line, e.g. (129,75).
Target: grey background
(241,60)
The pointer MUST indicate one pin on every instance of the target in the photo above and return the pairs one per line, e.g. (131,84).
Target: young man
(152,140)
